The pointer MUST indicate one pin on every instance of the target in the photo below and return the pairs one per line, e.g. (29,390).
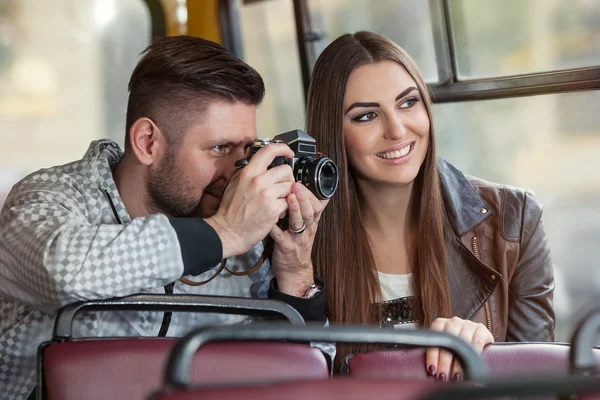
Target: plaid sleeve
(52,255)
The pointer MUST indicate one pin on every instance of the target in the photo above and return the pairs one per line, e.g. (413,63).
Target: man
(114,224)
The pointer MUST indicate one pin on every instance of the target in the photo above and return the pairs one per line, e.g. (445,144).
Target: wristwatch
(312,291)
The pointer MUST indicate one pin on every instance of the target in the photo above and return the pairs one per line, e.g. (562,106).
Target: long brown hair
(341,254)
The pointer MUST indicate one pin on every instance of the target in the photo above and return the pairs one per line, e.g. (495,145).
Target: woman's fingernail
(431,370)
(441,377)
(456,377)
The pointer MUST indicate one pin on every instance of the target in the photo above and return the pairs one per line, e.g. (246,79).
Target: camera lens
(327,178)
(320,175)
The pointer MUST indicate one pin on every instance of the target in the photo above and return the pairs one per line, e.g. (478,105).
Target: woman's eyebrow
(405,92)
(359,104)
(372,104)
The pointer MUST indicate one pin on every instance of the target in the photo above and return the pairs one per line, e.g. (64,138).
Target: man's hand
(253,201)
(291,262)
(440,363)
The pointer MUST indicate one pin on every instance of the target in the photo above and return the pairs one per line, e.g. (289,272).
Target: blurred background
(65,64)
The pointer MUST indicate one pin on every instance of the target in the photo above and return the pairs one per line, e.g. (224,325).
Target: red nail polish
(431,370)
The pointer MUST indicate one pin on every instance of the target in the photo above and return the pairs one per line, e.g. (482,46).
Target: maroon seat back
(337,388)
(133,368)
(550,387)
(178,380)
(503,360)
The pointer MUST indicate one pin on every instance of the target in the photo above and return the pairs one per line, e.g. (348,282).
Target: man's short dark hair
(181,75)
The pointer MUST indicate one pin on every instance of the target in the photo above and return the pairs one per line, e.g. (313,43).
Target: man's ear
(147,141)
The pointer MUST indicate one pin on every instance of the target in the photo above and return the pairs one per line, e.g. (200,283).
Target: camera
(315,171)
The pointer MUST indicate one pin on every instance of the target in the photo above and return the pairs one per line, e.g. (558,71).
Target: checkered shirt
(66,236)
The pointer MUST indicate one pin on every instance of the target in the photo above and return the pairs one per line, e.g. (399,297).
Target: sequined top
(397,302)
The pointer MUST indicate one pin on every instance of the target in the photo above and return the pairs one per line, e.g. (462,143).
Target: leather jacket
(498,261)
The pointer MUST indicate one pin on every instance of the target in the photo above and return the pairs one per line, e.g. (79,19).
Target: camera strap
(266,253)
(268,249)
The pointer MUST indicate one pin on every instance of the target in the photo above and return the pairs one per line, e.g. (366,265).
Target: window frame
(157,16)
(452,89)
(449,88)
(229,23)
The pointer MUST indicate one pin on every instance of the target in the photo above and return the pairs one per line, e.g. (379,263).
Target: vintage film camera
(315,171)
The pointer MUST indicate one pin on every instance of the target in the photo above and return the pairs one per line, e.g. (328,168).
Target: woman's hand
(441,363)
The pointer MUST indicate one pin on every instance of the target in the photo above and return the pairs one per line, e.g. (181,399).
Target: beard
(172,193)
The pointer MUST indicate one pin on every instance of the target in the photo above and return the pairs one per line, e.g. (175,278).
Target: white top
(396,298)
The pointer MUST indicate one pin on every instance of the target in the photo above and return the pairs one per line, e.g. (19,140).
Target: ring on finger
(299,231)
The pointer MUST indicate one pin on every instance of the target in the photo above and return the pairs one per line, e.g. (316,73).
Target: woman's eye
(365,117)
(409,103)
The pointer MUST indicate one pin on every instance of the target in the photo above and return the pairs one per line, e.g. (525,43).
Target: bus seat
(132,368)
(538,388)
(336,388)
(179,384)
(502,359)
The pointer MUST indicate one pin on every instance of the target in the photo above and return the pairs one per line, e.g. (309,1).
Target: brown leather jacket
(499,267)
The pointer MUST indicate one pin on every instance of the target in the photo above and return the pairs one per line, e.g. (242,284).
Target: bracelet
(312,291)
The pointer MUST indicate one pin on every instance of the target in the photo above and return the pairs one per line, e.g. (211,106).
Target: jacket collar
(103,149)
(102,155)
(466,272)
(464,206)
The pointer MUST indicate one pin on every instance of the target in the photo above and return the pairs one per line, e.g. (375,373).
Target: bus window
(503,76)
(64,68)
(269,45)
(514,37)
(407,22)
(550,144)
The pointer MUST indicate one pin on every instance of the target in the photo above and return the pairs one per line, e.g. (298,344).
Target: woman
(409,240)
